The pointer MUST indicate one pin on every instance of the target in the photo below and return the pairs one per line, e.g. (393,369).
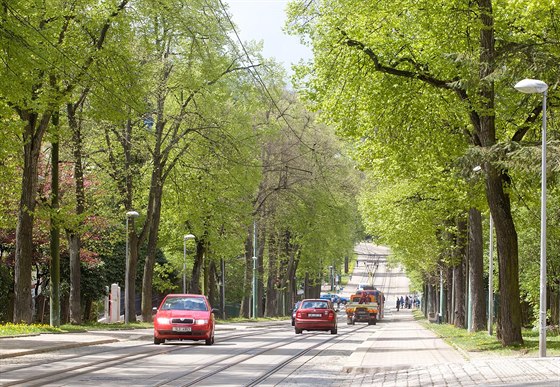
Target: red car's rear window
(315,305)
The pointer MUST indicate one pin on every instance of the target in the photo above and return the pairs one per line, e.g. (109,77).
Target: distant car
(316,315)
(335,298)
(296,306)
(184,317)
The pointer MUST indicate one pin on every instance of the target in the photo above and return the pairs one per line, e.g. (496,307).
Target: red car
(316,315)
(184,317)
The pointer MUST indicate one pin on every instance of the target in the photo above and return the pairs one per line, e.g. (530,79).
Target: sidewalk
(403,353)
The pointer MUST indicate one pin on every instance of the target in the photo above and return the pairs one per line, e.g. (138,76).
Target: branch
(421,75)
(531,118)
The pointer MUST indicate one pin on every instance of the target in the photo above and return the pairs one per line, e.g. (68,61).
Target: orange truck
(368,309)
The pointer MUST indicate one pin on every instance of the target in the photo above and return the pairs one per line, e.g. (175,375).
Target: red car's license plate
(314,315)
(181,329)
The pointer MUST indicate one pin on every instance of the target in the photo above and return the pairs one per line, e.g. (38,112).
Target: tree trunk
(273,276)
(460,254)
(74,243)
(32,140)
(498,200)
(449,293)
(54,304)
(476,271)
(508,266)
(212,289)
(133,247)
(151,251)
(197,266)
(74,236)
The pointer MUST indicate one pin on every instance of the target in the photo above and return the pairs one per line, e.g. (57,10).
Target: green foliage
(164,276)
(393,80)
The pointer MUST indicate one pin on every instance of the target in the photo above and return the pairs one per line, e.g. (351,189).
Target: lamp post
(331,277)
(185,239)
(254,269)
(491,277)
(532,86)
(477,169)
(129,214)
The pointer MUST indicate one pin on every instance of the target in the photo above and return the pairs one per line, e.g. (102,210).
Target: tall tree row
(420,85)
(158,112)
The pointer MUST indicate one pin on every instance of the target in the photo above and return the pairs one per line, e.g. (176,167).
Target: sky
(263,20)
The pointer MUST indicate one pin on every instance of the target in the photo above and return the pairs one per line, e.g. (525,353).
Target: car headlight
(163,320)
(201,322)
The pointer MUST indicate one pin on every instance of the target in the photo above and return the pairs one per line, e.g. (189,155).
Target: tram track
(276,368)
(146,350)
(335,340)
(203,371)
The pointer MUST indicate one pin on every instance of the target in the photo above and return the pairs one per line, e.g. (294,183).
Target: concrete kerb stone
(56,347)
(83,339)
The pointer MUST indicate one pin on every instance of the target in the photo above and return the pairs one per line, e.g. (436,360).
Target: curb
(56,348)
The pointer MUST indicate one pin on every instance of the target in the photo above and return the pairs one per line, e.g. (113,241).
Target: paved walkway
(403,353)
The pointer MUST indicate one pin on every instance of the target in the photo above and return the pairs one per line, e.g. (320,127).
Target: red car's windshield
(184,303)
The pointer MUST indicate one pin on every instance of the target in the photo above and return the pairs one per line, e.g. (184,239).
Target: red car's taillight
(331,315)
(298,314)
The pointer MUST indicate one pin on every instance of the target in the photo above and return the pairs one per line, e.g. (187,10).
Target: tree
(37,75)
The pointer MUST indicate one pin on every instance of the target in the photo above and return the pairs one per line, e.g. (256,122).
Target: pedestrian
(398,304)
(402,301)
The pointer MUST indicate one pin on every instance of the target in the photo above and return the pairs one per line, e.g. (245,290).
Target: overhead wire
(257,77)
(22,21)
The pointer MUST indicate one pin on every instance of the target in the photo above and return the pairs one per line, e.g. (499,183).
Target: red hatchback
(316,315)
(184,317)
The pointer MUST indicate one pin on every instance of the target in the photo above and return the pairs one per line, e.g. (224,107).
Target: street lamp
(491,277)
(129,214)
(532,86)
(254,269)
(331,279)
(477,169)
(185,239)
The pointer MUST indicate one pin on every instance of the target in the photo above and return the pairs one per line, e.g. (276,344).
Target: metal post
(126,275)
(184,264)
(532,86)
(491,278)
(452,312)
(542,303)
(223,306)
(440,296)
(469,298)
(254,269)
